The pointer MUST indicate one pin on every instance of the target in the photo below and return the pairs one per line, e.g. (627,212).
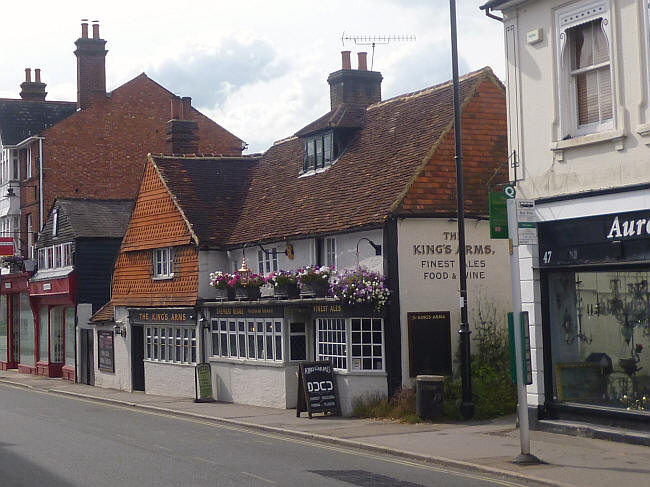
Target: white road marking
(258,477)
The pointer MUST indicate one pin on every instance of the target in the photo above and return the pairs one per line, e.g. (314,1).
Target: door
(137,358)
(15,329)
(87,358)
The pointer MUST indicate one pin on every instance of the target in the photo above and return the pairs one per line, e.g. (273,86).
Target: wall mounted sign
(6,246)
(106,351)
(338,310)
(180,316)
(429,343)
(247,311)
(615,237)
(317,392)
(498,215)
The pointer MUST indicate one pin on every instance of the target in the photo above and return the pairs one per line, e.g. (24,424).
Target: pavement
(485,446)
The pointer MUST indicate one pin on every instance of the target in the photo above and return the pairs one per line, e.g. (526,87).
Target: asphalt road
(55,441)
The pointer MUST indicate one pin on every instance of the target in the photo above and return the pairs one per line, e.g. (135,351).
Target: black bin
(428,396)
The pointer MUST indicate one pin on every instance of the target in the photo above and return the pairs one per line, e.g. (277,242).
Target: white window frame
(163,263)
(30,237)
(55,223)
(566,18)
(318,152)
(329,248)
(337,340)
(28,163)
(171,344)
(267,260)
(248,339)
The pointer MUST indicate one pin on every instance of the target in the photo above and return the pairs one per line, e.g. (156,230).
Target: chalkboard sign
(203,383)
(106,351)
(317,391)
(429,343)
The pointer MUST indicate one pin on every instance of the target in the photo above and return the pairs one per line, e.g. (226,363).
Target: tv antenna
(368,40)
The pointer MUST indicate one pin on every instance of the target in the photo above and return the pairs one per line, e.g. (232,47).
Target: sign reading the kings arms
(162,315)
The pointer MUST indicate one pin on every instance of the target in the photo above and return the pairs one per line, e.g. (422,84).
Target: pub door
(87,358)
(137,358)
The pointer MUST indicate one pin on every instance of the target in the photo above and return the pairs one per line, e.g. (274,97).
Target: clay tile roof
(20,119)
(104,314)
(209,191)
(362,186)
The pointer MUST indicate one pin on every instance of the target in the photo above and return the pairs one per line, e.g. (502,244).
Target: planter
(629,366)
(285,291)
(225,294)
(247,293)
(316,289)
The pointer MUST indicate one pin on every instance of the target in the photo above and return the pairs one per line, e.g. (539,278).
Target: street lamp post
(467,405)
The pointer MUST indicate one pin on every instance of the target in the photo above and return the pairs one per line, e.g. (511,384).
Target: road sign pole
(525,456)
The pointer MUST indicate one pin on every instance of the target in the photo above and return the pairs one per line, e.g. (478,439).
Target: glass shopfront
(69,337)
(26,330)
(43,334)
(600,337)
(3,329)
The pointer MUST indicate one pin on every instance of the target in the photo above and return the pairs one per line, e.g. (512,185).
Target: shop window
(163,263)
(170,344)
(43,334)
(26,329)
(318,151)
(331,341)
(4,355)
(600,338)
(69,336)
(56,334)
(585,74)
(297,341)
(253,339)
(267,260)
(367,344)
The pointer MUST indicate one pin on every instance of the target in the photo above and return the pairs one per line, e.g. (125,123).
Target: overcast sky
(258,68)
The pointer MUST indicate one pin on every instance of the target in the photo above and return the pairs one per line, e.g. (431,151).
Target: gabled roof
(208,191)
(231,201)
(346,115)
(20,119)
(104,314)
(88,218)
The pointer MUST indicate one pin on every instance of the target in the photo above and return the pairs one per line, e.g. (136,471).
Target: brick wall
(484,145)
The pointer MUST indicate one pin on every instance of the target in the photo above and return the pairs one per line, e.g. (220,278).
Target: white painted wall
(121,378)
(424,287)
(209,261)
(173,380)
(353,385)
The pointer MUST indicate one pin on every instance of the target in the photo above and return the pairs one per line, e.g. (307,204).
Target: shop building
(76,250)
(578,86)
(372,184)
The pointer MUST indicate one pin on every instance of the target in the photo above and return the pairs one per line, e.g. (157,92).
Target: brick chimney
(354,86)
(33,90)
(182,133)
(91,66)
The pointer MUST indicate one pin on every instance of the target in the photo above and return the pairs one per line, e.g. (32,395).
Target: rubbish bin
(428,396)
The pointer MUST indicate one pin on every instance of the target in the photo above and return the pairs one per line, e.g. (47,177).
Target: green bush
(400,407)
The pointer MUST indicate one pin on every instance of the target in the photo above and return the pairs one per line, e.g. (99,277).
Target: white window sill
(617,137)
(247,361)
(644,131)
(166,362)
(163,278)
(377,373)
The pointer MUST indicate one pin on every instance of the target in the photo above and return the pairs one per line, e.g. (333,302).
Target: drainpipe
(40,183)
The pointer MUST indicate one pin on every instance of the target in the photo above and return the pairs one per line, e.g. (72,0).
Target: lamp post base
(527,459)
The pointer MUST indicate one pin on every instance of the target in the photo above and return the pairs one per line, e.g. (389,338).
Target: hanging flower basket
(361,287)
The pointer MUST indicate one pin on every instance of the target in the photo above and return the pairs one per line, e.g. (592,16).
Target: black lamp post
(466,406)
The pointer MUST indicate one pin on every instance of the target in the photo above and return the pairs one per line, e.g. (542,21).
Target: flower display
(314,274)
(220,280)
(282,278)
(361,286)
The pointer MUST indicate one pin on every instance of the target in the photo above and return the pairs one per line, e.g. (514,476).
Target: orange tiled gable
(383,168)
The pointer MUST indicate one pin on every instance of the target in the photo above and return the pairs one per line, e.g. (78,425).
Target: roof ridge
(487,70)
(207,155)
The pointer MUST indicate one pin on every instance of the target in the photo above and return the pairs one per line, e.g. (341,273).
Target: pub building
(76,249)
(594,275)
(365,185)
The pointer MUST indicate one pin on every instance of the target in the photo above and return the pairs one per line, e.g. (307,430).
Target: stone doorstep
(587,430)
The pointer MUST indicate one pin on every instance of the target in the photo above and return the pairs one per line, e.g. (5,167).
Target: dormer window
(318,151)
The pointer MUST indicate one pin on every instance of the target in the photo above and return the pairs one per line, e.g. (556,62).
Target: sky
(258,68)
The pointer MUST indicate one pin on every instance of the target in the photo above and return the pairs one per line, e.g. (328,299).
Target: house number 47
(547,256)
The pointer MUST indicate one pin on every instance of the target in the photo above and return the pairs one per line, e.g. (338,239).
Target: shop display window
(43,335)
(170,344)
(251,338)
(69,336)
(600,338)
(26,330)
(3,328)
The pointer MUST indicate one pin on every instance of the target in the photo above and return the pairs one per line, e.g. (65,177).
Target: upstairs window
(55,256)
(267,260)
(163,263)
(318,151)
(585,69)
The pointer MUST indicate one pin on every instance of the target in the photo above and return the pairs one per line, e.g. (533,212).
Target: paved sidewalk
(487,446)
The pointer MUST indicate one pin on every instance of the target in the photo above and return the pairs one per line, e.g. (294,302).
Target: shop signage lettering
(106,358)
(161,315)
(327,308)
(203,383)
(629,228)
(317,391)
(248,311)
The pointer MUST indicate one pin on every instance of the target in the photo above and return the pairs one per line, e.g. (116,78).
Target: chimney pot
(95,29)
(84,28)
(175,108)
(28,75)
(186,107)
(37,74)
(363,61)
(345,60)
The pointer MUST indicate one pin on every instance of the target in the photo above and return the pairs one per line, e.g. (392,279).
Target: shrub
(400,407)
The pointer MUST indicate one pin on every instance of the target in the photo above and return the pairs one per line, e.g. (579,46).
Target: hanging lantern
(244,273)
